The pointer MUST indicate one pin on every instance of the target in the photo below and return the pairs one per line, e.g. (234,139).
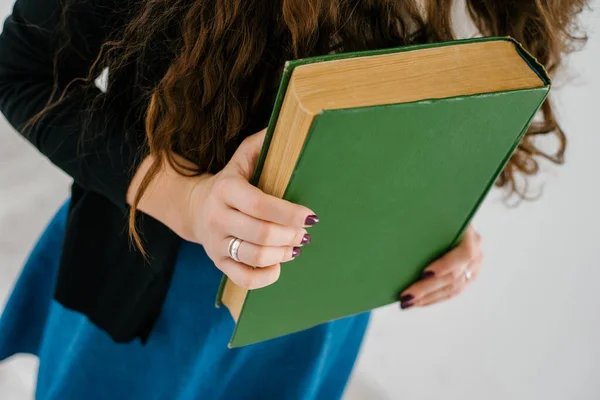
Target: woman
(170,135)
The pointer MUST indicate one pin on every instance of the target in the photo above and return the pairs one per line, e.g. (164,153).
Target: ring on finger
(468,275)
(233,248)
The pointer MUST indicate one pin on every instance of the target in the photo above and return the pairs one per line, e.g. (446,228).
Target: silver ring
(468,275)
(232,249)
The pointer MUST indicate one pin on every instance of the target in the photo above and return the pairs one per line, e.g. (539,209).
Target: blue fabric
(186,357)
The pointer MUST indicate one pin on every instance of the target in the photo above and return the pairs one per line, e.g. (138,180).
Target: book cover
(395,186)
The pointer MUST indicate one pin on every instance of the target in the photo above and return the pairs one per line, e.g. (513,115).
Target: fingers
(250,200)
(238,193)
(260,232)
(271,230)
(451,290)
(425,288)
(448,276)
(248,277)
(446,293)
(455,261)
(263,256)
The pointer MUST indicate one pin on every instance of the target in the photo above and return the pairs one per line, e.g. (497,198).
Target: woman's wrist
(168,195)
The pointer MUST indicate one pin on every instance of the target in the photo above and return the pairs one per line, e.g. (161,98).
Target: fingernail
(296,252)
(311,220)
(427,274)
(405,305)
(407,298)
(305,239)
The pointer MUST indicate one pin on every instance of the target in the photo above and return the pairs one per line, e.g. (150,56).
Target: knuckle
(257,279)
(472,252)
(255,204)
(264,233)
(456,274)
(248,280)
(260,257)
(478,239)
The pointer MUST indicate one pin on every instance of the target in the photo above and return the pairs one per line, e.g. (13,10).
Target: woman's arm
(210,209)
(101,275)
(104,162)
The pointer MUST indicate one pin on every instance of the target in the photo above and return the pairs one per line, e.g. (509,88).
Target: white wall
(527,330)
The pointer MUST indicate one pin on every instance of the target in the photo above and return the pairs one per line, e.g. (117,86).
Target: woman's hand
(214,210)
(226,206)
(448,276)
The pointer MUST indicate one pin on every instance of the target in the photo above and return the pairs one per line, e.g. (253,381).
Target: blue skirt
(186,356)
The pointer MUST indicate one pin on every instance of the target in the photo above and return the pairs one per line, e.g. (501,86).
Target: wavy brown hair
(221,61)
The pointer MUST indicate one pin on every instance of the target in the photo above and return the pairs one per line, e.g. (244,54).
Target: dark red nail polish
(296,252)
(305,239)
(407,298)
(311,220)
(427,274)
(405,305)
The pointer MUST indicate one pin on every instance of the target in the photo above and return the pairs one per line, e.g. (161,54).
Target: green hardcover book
(395,150)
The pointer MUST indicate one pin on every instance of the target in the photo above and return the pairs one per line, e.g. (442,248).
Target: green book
(395,150)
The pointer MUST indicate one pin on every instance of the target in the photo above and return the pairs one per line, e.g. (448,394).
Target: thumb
(245,158)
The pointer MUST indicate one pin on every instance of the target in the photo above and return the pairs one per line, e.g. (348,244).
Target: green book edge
(287,72)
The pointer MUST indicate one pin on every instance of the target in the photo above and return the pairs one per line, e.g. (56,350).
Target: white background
(528,329)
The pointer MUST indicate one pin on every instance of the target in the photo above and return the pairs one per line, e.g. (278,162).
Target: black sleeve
(90,147)
(101,274)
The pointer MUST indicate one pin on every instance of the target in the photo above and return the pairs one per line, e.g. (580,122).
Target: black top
(101,273)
